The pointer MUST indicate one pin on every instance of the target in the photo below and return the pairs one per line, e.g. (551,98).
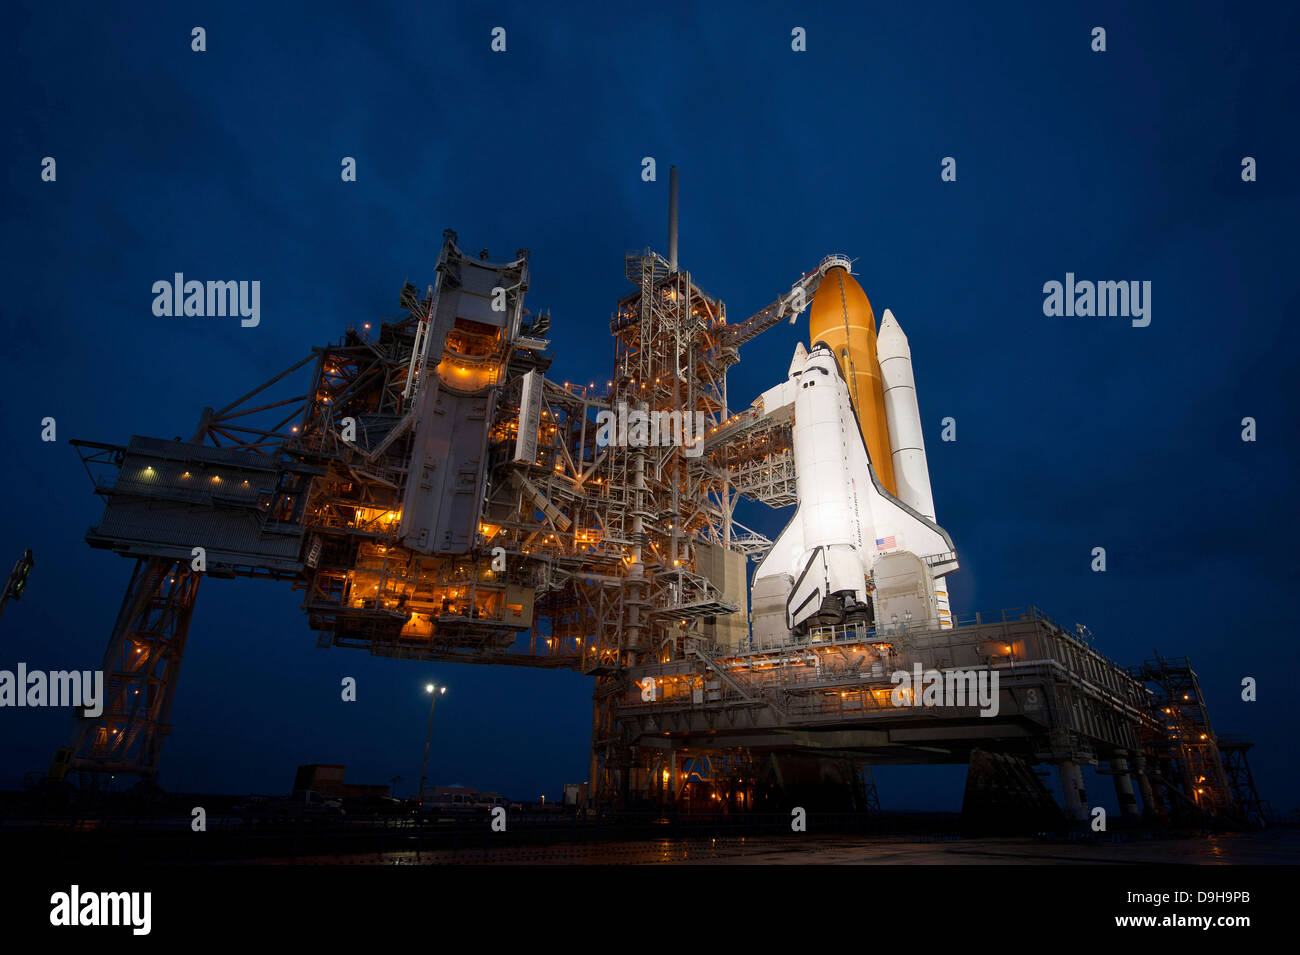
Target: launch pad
(436,497)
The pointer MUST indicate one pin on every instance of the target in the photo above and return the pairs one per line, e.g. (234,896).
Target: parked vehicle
(486,802)
(453,800)
(308,802)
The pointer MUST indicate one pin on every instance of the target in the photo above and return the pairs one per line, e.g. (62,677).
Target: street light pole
(433,692)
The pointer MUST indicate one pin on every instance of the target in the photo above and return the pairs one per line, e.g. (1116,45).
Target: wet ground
(1280,847)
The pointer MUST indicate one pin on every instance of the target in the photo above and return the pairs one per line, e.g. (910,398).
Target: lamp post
(434,692)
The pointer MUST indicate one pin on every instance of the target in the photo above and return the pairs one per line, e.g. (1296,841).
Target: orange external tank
(841,317)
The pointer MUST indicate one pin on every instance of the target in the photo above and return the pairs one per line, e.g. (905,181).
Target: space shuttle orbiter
(854,551)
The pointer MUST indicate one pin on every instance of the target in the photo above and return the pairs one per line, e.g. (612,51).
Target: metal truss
(1184,748)
(140,669)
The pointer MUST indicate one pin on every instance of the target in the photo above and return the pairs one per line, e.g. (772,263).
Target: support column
(670,785)
(1149,807)
(1128,806)
(1072,791)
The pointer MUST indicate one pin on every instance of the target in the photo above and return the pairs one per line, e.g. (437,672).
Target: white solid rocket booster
(906,440)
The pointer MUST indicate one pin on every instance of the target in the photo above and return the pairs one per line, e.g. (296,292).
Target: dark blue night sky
(1072,433)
